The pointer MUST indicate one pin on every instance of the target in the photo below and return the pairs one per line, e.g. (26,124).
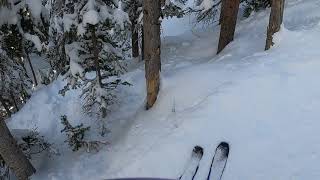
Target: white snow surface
(264,104)
(36,7)
(35,40)
(91,17)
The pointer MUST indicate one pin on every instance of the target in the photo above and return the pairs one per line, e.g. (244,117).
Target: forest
(104,89)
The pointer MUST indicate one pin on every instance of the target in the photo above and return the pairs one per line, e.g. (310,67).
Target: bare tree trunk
(228,20)
(275,21)
(12,155)
(135,41)
(134,30)
(96,54)
(2,101)
(142,44)
(31,67)
(151,28)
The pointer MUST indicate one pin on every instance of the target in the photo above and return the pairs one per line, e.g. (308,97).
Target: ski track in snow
(265,104)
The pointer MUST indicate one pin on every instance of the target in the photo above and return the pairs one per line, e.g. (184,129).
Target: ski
(219,162)
(193,165)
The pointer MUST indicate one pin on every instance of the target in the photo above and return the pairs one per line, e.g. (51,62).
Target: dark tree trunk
(275,21)
(31,67)
(96,54)
(228,20)
(12,155)
(4,104)
(134,31)
(142,44)
(152,44)
(135,41)
(97,65)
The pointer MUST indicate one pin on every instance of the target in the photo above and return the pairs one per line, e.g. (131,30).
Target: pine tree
(95,42)
(255,5)
(14,83)
(206,11)
(24,32)
(134,10)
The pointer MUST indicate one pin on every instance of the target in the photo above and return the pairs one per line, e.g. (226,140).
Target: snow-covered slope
(265,104)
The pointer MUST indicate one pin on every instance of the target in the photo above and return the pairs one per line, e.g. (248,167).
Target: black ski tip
(224,146)
(198,150)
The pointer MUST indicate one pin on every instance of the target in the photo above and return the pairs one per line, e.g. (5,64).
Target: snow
(265,104)
(35,40)
(7,16)
(206,5)
(120,17)
(35,7)
(76,69)
(91,17)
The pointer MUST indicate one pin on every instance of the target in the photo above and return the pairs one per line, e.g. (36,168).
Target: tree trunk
(135,42)
(96,54)
(2,101)
(31,67)
(12,155)
(142,44)
(229,13)
(97,65)
(134,31)
(275,21)
(152,44)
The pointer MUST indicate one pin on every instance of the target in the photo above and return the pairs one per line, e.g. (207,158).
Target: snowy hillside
(265,104)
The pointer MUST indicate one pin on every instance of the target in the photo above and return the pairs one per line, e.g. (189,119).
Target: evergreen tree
(22,32)
(134,10)
(95,42)
(255,5)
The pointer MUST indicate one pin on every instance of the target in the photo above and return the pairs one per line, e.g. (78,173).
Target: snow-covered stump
(12,155)
(275,21)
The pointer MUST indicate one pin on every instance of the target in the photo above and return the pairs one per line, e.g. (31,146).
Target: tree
(95,41)
(24,31)
(206,10)
(14,82)
(275,21)
(255,5)
(229,12)
(56,53)
(12,155)
(152,45)
(134,10)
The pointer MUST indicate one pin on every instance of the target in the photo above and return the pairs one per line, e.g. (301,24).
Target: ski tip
(224,146)
(198,150)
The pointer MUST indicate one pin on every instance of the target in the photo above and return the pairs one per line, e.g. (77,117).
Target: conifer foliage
(94,37)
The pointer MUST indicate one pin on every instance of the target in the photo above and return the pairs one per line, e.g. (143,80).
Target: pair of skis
(218,163)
